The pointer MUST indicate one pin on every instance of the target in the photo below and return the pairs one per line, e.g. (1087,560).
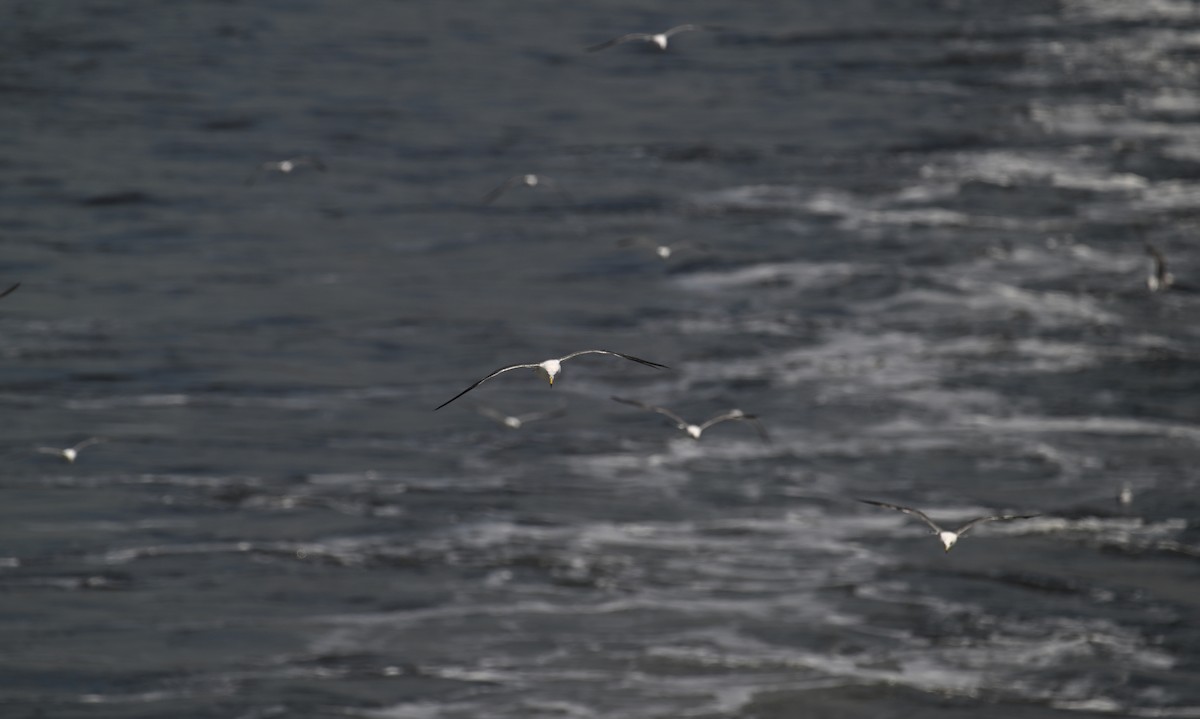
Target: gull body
(1159,278)
(948,537)
(696,430)
(658,39)
(70,453)
(550,369)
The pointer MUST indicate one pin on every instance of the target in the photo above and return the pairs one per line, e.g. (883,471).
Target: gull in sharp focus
(286,167)
(658,39)
(529,180)
(1160,278)
(549,369)
(10,290)
(663,252)
(516,421)
(71,453)
(948,537)
(695,430)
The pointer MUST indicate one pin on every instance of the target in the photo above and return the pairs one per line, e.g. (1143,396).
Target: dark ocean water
(917,255)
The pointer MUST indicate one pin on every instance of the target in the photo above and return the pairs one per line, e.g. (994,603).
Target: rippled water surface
(910,241)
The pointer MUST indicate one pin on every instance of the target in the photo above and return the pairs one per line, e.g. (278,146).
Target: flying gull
(70,453)
(695,430)
(516,421)
(1125,495)
(658,39)
(1160,278)
(523,181)
(10,290)
(948,537)
(286,167)
(663,252)
(549,369)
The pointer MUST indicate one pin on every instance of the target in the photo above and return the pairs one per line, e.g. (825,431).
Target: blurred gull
(1125,495)
(286,167)
(695,430)
(516,421)
(657,39)
(1160,278)
(10,290)
(663,252)
(549,369)
(70,453)
(523,181)
(949,538)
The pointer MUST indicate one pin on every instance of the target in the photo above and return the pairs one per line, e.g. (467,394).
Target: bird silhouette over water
(1160,278)
(286,167)
(695,430)
(948,537)
(661,251)
(658,39)
(70,454)
(10,290)
(550,369)
(517,421)
(528,180)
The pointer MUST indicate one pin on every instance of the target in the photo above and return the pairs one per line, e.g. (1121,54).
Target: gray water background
(924,272)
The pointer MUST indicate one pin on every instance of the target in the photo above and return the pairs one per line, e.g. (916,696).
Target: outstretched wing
(637,241)
(87,443)
(50,450)
(548,414)
(652,408)
(737,414)
(998,518)
(502,370)
(631,37)
(686,28)
(492,413)
(315,163)
(907,510)
(263,167)
(631,358)
(690,245)
(10,290)
(553,184)
(500,189)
